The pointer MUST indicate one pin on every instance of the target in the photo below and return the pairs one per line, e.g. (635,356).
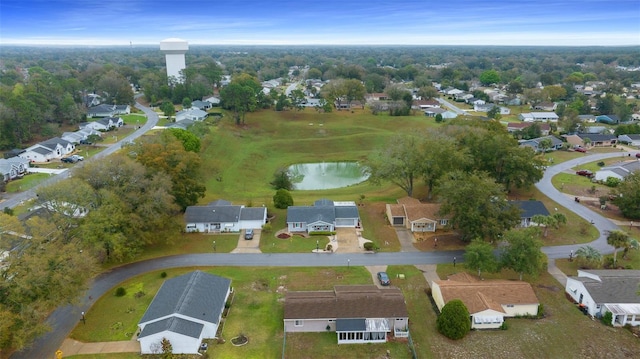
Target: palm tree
(588,256)
(632,243)
(546,221)
(617,239)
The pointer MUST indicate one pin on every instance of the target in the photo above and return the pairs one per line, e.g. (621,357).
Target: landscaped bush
(121,292)
(282,199)
(369,246)
(612,182)
(607,318)
(454,321)
(266,228)
(601,163)
(163,275)
(322,233)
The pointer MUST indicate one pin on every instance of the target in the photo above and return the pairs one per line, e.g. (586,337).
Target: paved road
(451,106)
(18,198)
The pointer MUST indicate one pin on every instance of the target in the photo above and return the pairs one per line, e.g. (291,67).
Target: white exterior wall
(256,224)
(489,313)
(437,295)
(346,222)
(181,344)
(423,225)
(575,288)
(309,325)
(296,226)
(604,174)
(520,309)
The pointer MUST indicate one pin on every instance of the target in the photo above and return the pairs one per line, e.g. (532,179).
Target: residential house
(103,124)
(415,215)
(489,106)
(425,104)
(587,118)
(434,111)
(184,124)
(489,301)
(453,92)
(608,119)
(513,101)
(105,110)
(202,105)
(449,114)
(534,143)
(538,117)
(519,126)
(601,291)
(222,216)
(91,100)
(475,101)
(595,129)
(47,150)
(377,96)
(357,313)
(598,140)
(325,215)
(546,106)
(213,100)
(193,114)
(528,210)
(186,310)
(12,168)
(630,139)
(619,170)
(80,135)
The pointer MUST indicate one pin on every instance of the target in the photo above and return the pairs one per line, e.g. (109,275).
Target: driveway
(406,239)
(248,245)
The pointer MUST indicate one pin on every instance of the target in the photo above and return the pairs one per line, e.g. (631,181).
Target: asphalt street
(64,319)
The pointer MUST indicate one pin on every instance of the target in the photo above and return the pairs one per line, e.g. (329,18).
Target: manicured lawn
(27,182)
(106,356)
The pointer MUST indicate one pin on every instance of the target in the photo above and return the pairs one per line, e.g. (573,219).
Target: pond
(326,175)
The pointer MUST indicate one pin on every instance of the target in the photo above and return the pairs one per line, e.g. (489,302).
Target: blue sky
(330,22)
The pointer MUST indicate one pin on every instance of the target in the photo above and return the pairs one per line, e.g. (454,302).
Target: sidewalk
(556,272)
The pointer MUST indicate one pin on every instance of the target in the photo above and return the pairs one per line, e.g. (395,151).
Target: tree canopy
(523,252)
(454,322)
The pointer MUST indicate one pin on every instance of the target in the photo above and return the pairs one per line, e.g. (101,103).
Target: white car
(77,157)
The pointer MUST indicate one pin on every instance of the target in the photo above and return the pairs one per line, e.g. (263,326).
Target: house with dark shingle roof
(618,170)
(357,313)
(415,215)
(601,291)
(48,150)
(630,139)
(598,139)
(528,209)
(222,216)
(488,301)
(534,143)
(103,124)
(106,110)
(324,216)
(185,310)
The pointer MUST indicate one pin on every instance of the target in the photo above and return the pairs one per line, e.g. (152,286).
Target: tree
(282,199)
(354,91)
(490,77)
(545,144)
(186,102)
(115,88)
(477,204)
(282,180)
(239,99)
(632,243)
(439,118)
(494,112)
(168,109)
(479,256)
(554,93)
(617,239)
(399,162)
(190,141)
(439,154)
(297,99)
(167,348)
(554,221)
(588,257)
(428,92)
(454,322)
(522,253)
(627,196)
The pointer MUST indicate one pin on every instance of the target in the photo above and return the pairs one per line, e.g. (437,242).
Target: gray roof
(200,214)
(42,150)
(616,286)
(530,208)
(597,137)
(350,325)
(253,213)
(53,142)
(623,168)
(173,324)
(195,294)
(323,210)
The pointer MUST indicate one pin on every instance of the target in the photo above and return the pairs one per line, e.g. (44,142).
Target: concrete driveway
(406,239)
(248,245)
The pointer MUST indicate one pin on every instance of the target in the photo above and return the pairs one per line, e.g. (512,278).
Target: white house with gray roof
(193,114)
(324,215)
(185,310)
(601,291)
(619,170)
(222,216)
(48,150)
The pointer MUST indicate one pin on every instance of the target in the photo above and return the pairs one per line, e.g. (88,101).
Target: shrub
(121,292)
(369,246)
(601,163)
(612,182)
(329,248)
(7,210)
(607,318)
(454,321)
(266,228)
(504,326)
(282,199)
(163,275)
(540,310)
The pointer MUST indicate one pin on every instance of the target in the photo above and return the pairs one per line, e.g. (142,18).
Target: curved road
(64,319)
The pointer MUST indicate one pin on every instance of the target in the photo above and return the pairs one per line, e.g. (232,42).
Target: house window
(443,222)
(298,323)
(510,306)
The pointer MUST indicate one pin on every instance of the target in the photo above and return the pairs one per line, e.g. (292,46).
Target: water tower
(174,50)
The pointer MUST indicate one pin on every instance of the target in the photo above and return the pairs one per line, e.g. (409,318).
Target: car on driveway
(585,173)
(383,278)
(248,234)
(77,157)
(68,160)
(581,149)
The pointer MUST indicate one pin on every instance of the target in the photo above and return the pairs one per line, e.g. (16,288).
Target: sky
(321,22)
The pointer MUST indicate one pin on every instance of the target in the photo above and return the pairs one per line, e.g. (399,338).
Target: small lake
(326,175)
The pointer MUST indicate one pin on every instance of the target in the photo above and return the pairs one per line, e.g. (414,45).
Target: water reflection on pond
(326,175)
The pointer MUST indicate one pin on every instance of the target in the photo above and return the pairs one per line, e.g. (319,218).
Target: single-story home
(613,290)
(433,111)
(186,309)
(202,105)
(587,118)
(619,170)
(103,124)
(324,215)
(546,106)
(486,107)
(538,117)
(80,135)
(193,114)
(608,119)
(415,215)
(597,140)
(105,110)
(519,126)
(48,150)
(12,168)
(222,216)
(424,104)
(534,143)
(630,139)
(529,209)
(215,101)
(488,301)
(357,313)
(184,124)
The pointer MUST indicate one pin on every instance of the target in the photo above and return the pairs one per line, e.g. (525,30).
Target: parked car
(77,157)
(638,155)
(86,142)
(383,278)
(581,149)
(585,173)
(68,160)
(248,234)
